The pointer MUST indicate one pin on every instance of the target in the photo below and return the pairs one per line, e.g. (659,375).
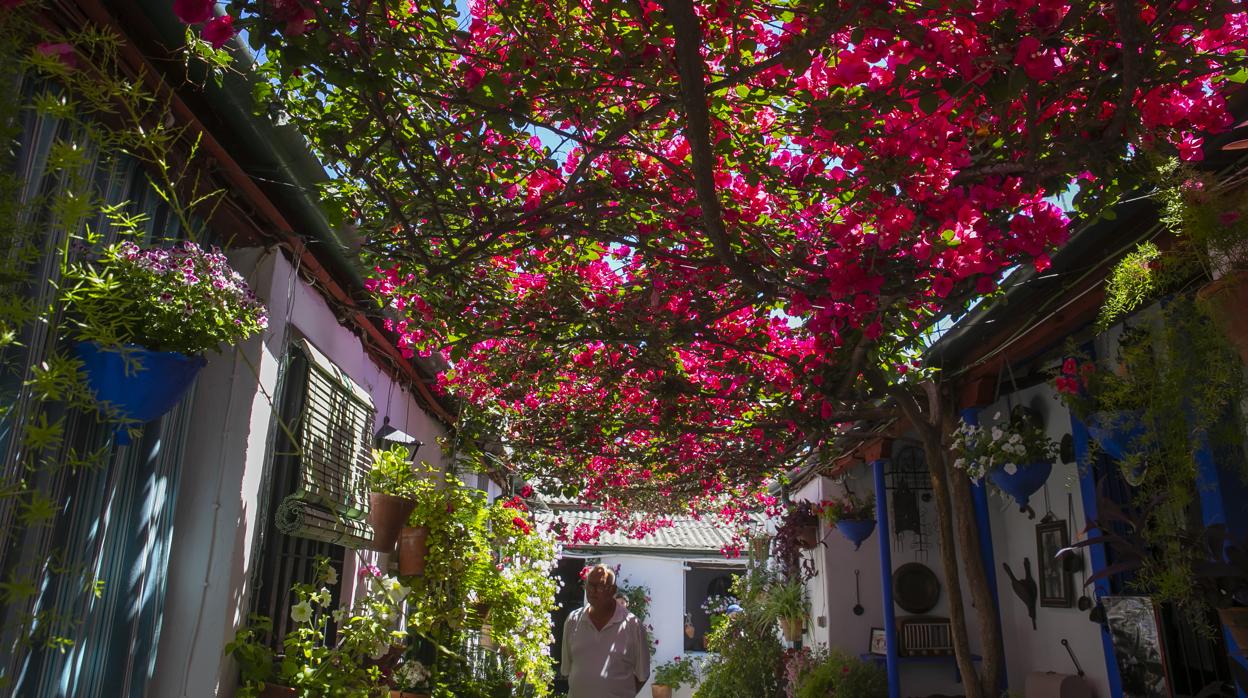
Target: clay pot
(487,641)
(792,629)
(1236,622)
(275,691)
(658,690)
(387,514)
(413,547)
(1227,300)
(808,536)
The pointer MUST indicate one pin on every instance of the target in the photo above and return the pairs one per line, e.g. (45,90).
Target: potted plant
(852,515)
(145,317)
(1212,227)
(393,484)
(1105,402)
(786,602)
(670,676)
(309,665)
(409,680)
(1016,455)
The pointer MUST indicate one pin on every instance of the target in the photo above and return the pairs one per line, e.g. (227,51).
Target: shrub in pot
(786,602)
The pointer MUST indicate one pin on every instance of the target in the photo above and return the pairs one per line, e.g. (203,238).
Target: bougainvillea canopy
(672,248)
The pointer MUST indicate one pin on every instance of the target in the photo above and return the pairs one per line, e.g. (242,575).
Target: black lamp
(387,436)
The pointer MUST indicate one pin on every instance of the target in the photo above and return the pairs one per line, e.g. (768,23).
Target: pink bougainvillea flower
(526,491)
(1038,61)
(61,51)
(219,30)
(1190,148)
(193,11)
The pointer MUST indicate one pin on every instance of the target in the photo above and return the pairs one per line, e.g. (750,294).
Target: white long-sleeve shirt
(604,663)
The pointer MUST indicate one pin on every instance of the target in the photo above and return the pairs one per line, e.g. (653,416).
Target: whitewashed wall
(833,590)
(1014,537)
(215,528)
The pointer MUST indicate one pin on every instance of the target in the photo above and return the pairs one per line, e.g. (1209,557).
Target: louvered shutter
(334,440)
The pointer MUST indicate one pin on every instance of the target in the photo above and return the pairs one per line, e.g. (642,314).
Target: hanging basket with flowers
(853,516)
(1016,454)
(145,317)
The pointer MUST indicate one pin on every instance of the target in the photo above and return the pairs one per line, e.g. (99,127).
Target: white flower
(996,416)
(960,463)
(322,597)
(1010,468)
(340,615)
(997,433)
(301,612)
(379,649)
(395,590)
(1015,438)
(330,576)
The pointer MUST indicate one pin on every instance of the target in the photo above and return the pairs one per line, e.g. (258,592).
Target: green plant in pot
(145,316)
(393,485)
(786,602)
(670,676)
(1211,221)
(853,515)
(1015,453)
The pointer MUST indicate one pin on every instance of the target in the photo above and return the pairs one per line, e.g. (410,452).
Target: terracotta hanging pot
(792,629)
(1227,300)
(1236,622)
(658,690)
(387,514)
(413,547)
(808,536)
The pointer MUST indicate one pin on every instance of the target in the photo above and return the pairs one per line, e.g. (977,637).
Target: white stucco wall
(833,590)
(226,456)
(1014,537)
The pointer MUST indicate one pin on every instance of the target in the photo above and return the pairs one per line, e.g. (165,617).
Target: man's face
(599,591)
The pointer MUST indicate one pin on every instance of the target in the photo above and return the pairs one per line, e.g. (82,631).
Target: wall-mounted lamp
(387,436)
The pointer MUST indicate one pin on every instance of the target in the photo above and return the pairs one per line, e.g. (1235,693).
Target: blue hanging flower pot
(856,531)
(1024,482)
(1115,431)
(138,384)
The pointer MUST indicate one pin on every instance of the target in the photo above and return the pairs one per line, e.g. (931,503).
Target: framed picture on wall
(879,642)
(1056,585)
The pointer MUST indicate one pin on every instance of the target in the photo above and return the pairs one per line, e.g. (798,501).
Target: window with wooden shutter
(334,441)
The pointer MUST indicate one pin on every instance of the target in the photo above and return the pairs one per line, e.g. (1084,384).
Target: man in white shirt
(605,654)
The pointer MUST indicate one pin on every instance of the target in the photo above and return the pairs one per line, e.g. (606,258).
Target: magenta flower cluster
(181,298)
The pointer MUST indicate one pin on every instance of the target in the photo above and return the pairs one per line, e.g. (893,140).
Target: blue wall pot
(1024,482)
(143,394)
(856,531)
(1115,431)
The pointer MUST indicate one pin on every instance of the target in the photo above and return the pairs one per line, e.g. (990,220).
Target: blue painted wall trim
(983,523)
(886,579)
(1087,495)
